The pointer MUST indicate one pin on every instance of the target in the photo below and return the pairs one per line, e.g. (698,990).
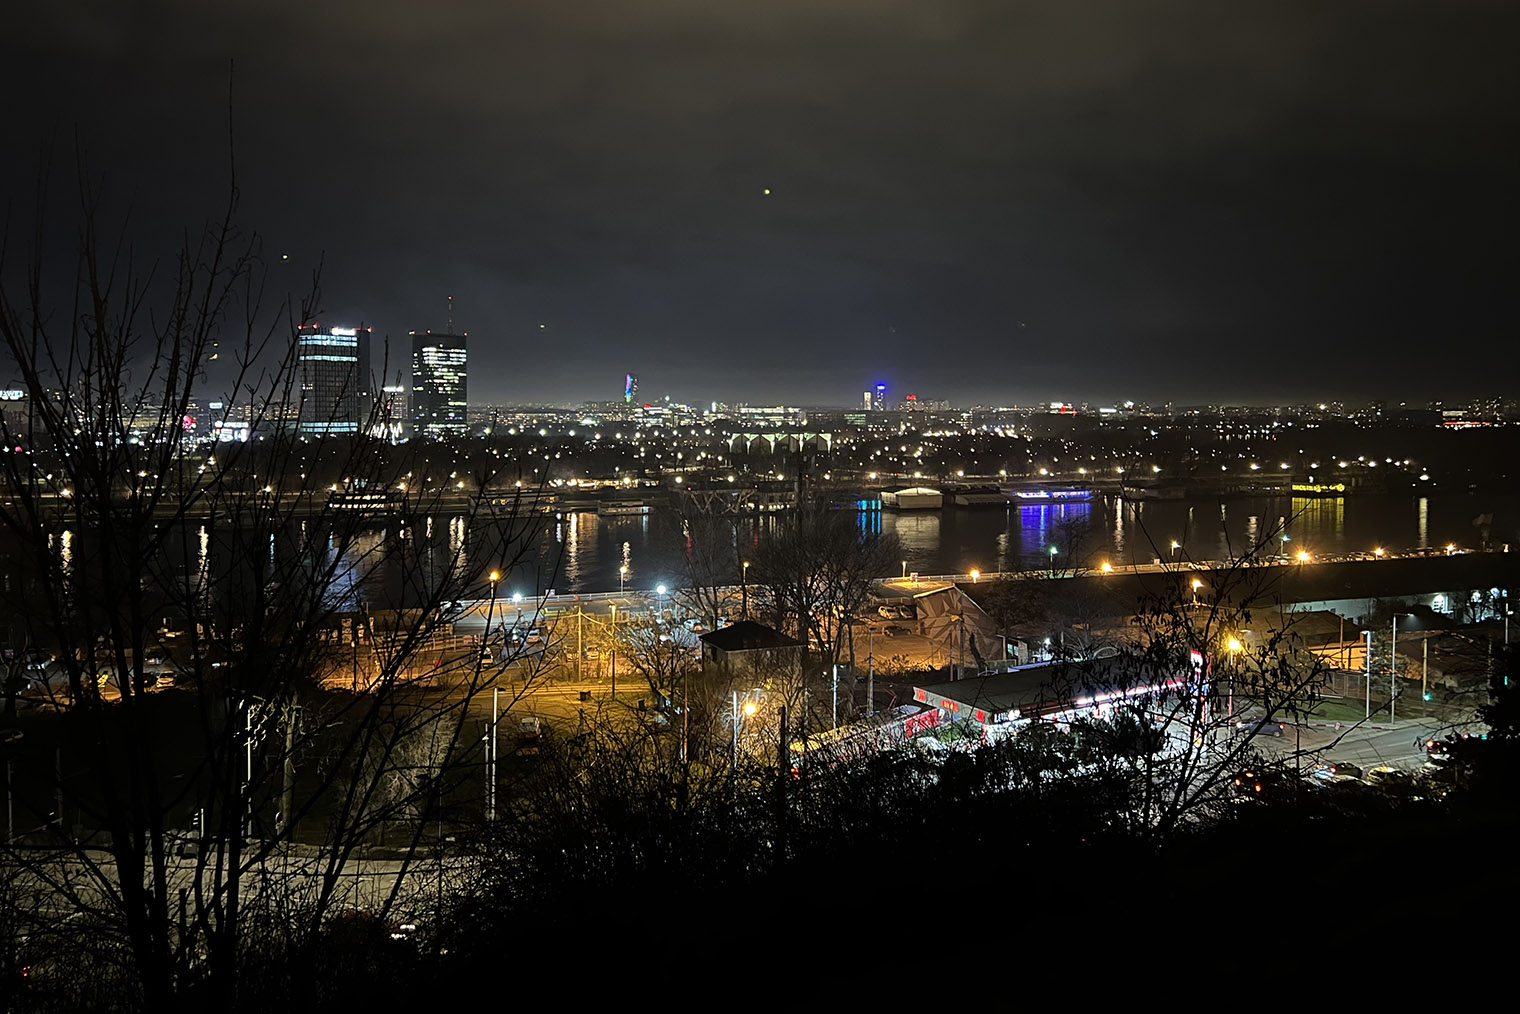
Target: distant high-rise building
(334,368)
(440,391)
(866,398)
(880,404)
(630,387)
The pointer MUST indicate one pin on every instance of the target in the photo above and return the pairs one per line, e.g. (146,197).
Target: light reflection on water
(583,552)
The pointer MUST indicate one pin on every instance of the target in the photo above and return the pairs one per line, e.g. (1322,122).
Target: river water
(584,552)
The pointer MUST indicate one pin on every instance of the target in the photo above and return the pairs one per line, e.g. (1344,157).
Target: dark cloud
(992,200)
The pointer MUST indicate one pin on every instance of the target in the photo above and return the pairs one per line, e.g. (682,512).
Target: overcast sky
(979,200)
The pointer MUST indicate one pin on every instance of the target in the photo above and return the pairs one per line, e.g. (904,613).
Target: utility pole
(579,650)
(1425,668)
(1368,635)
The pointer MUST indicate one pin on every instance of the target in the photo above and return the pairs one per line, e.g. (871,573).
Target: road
(1401,744)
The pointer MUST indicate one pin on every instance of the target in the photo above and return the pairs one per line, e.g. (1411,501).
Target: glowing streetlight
(1303,556)
(1196,585)
(1175,546)
(1107,567)
(744,591)
(1378,552)
(974,575)
(622,577)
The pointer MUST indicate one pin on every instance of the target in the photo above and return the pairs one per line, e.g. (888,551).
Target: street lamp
(1234,646)
(748,710)
(1052,559)
(1196,585)
(905,570)
(614,651)
(622,576)
(744,590)
(1175,546)
(974,575)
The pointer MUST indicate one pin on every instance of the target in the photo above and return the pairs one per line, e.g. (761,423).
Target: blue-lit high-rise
(334,370)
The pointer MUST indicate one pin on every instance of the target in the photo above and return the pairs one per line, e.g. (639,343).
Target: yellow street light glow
(1108,568)
(749,708)
(974,575)
(495,576)
(1303,557)
(1234,644)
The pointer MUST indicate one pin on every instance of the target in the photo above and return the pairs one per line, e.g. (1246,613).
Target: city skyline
(981,203)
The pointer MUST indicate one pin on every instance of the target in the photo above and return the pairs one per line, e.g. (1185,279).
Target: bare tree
(289,622)
(816,567)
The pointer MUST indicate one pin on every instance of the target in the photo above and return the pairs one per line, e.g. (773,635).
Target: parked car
(1338,771)
(894,630)
(1389,778)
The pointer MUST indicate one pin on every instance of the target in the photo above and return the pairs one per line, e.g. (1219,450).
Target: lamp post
(614,652)
(1052,561)
(974,575)
(491,755)
(1229,707)
(1196,585)
(905,570)
(870,666)
(744,590)
(622,577)
(1175,546)
(485,638)
(748,711)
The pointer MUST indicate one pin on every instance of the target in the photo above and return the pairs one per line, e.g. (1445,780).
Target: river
(590,550)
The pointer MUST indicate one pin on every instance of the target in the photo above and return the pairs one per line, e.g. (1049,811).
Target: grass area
(1343,710)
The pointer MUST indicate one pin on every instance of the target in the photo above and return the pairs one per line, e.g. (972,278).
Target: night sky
(978,200)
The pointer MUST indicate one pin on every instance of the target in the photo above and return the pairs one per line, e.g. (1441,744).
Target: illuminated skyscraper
(440,390)
(630,387)
(881,398)
(334,368)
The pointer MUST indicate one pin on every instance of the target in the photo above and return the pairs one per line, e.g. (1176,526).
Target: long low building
(1048,691)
